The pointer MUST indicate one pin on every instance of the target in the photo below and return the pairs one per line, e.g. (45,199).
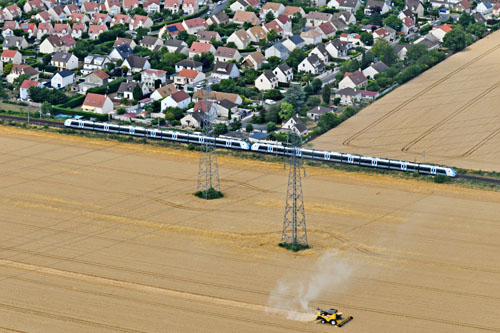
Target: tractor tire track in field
(467,105)
(348,141)
(481,143)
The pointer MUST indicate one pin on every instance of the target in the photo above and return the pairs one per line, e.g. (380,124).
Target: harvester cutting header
(333,317)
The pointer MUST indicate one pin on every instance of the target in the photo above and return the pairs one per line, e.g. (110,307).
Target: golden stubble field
(448,115)
(100,236)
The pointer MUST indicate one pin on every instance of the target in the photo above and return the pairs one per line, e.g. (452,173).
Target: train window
(140,131)
(88,125)
(441,171)
(99,126)
(383,163)
(236,144)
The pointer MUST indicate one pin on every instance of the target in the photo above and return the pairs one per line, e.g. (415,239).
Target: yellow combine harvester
(333,317)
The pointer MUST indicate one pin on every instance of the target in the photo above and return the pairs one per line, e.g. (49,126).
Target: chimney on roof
(318,107)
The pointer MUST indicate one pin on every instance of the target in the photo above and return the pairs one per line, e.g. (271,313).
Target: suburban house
(136,64)
(78,29)
(218,18)
(197,48)
(100,18)
(62,79)
(284,73)
(153,78)
(254,60)
(348,96)
(225,70)
(97,103)
(95,30)
(194,119)
(227,54)
(55,43)
(188,64)
(295,125)
(140,21)
(113,7)
(164,91)
(121,52)
(316,112)
(120,19)
(273,7)
(240,38)
(94,79)
(63,61)
(189,7)
(13,56)
(374,69)
(130,5)
(327,30)
(240,17)
(93,62)
(179,99)
(18,70)
(120,41)
(24,88)
(256,34)
(176,46)
(291,11)
(44,28)
(12,11)
(188,77)
(293,42)
(440,31)
(376,6)
(311,37)
(9,27)
(266,81)
(239,6)
(277,50)
(172,5)
(353,80)
(484,7)
(338,49)
(14,41)
(416,7)
(316,18)
(61,29)
(192,26)
(225,107)
(321,52)
(312,65)
(206,36)
(126,89)
(151,43)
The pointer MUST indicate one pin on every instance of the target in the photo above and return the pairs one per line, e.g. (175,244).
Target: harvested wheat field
(450,113)
(100,236)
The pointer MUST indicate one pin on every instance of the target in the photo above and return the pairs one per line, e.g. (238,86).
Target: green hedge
(180,19)
(58,109)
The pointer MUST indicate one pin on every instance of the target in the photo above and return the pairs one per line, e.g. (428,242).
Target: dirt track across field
(448,115)
(101,236)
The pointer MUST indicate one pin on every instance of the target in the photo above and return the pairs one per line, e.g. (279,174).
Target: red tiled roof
(28,84)
(189,73)
(199,47)
(9,53)
(94,100)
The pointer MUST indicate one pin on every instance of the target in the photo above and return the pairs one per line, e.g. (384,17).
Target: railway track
(34,121)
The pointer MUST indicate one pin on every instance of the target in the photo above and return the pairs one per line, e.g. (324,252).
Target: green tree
(367,38)
(327,122)
(272,113)
(465,20)
(271,126)
(316,85)
(296,57)
(383,50)
(249,127)
(478,29)
(286,111)
(313,101)
(220,129)
(273,94)
(272,36)
(295,96)
(269,16)
(375,19)
(207,59)
(455,40)
(326,93)
(393,22)
(415,52)
(235,125)
(7,68)
(250,75)
(137,93)
(366,60)
(425,29)
(373,86)
(46,107)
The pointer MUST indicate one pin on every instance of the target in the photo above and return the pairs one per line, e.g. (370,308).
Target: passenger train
(264,147)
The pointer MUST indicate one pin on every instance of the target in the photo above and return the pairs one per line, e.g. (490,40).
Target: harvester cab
(333,317)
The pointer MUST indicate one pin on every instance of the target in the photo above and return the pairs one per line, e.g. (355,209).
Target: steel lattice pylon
(294,222)
(208,170)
